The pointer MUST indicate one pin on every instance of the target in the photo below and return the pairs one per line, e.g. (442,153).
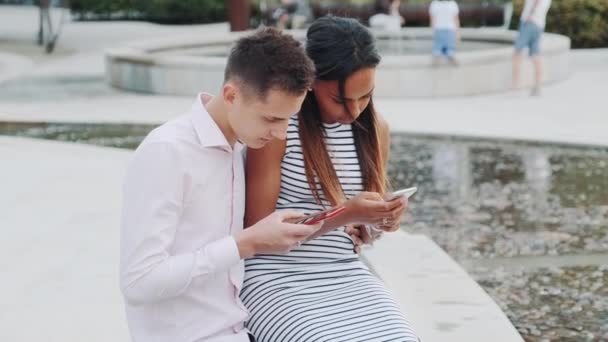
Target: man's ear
(229,93)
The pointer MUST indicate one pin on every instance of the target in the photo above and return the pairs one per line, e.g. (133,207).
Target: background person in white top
(387,16)
(182,241)
(531,27)
(446,26)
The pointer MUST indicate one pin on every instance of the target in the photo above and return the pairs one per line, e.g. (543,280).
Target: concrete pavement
(59,254)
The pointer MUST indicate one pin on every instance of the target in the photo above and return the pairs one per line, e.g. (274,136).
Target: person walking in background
(446,29)
(293,14)
(387,16)
(531,27)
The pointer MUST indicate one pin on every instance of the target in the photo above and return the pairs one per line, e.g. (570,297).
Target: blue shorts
(528,37)
(444,42)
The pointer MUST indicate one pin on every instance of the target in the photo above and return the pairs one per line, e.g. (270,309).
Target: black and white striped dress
(320,291)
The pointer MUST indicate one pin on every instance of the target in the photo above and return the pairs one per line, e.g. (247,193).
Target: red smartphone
(321,215)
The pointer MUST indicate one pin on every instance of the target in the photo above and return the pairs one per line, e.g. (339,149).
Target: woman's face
(358,89)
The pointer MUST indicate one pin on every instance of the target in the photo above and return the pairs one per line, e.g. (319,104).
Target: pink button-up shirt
(184,198)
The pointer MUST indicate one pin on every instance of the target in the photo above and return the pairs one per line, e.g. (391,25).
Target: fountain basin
(187,64)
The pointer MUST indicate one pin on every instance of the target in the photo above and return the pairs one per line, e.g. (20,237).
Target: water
(111,135)
(528,221)
(409,45)
(517,198)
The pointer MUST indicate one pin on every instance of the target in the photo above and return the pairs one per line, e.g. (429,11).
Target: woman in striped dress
(335,152)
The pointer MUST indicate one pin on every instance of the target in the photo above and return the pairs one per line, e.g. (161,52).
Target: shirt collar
(208,132)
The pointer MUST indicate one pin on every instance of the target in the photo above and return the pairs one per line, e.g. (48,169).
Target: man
(182,237)
(531,27)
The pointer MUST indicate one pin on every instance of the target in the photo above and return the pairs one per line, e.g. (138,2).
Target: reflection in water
(481,198)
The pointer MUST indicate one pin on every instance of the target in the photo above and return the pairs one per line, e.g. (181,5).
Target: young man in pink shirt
(182,242)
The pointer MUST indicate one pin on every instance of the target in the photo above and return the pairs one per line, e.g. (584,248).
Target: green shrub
(182,11)
(101,7)
(161,11)
(584,21)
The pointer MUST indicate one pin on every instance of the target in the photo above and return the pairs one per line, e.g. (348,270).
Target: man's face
(257,121)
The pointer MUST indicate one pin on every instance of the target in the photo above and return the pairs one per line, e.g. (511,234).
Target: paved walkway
(59,256)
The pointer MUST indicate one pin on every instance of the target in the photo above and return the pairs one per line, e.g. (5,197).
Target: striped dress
(320,291)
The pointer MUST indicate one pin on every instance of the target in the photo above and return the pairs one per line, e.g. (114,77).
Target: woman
(336,149)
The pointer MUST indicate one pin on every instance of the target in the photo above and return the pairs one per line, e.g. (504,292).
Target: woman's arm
(385,140)
(368,207)
(263,183)
(263,180)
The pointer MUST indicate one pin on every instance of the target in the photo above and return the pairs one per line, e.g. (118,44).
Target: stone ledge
(441,300)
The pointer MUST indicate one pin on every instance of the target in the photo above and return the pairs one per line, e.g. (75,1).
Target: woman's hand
(393,222)
(371,208)
(366,208)
(356,234)
(361,236)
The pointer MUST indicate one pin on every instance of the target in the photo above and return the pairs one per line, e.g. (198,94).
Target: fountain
(184,65)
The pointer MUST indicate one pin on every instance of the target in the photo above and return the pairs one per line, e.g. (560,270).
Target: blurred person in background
(531,27)
(446,29)
(387,16)
(292,14)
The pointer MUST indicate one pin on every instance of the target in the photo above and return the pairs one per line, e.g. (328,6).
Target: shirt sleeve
(152,204)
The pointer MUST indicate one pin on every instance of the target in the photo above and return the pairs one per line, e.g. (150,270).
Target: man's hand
(274,235)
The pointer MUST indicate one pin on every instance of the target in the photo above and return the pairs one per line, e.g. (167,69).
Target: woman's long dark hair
(340,47)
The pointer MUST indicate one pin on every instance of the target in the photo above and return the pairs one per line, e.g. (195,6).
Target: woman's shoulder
(383,126)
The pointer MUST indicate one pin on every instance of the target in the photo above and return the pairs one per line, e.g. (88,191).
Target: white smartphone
(407,193)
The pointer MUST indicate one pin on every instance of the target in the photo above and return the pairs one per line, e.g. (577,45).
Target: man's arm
(152,205)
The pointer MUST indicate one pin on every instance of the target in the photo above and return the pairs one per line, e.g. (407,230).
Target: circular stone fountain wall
(185,65)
